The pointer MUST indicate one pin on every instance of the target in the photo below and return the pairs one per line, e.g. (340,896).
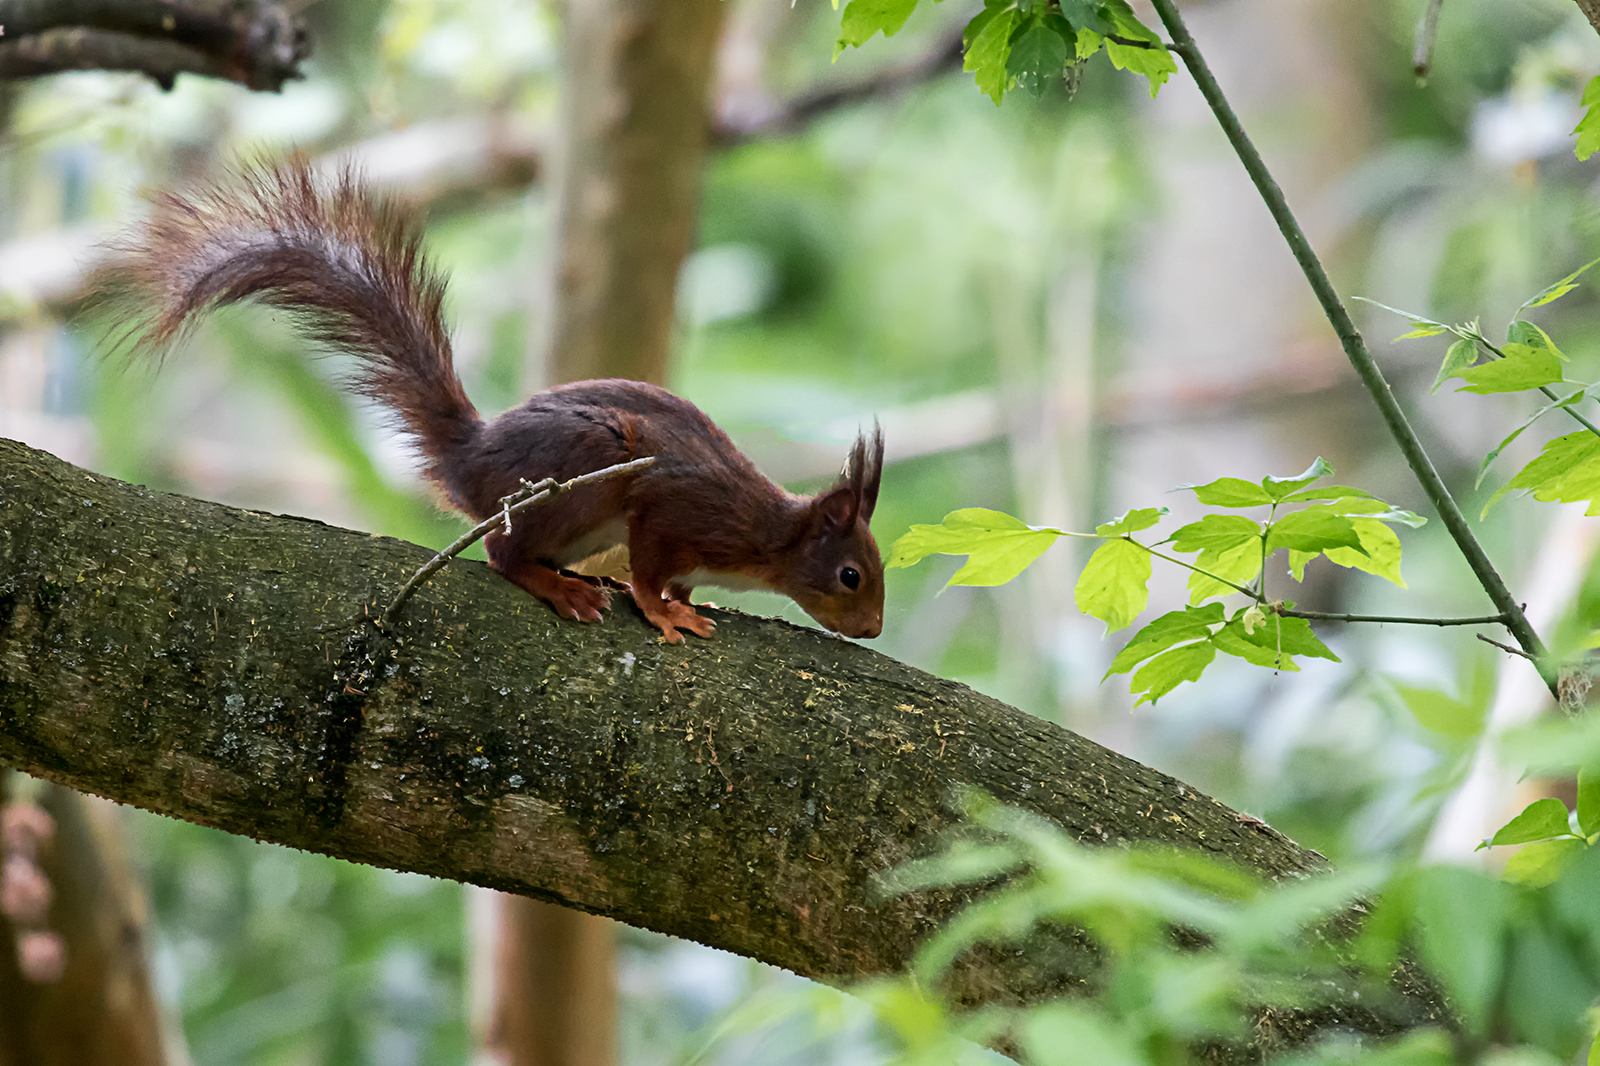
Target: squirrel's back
(346,266)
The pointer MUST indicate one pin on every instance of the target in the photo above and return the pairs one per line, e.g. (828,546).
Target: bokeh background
(1062,308)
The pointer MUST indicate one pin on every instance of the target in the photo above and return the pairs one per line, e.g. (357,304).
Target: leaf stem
(1355,347)
(1548,392)
(1190,566)
(1338,616)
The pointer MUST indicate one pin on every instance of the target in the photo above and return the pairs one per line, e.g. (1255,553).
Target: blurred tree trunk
(101,1011)
(636,120)
(636,124)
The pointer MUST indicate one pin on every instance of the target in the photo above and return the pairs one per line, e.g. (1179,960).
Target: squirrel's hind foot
(569,595)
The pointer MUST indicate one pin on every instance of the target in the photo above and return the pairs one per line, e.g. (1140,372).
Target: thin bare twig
(1427,31)
(1508,649)
(530,494)
(1337,616)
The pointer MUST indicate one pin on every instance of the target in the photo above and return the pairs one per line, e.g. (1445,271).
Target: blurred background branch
(257,43)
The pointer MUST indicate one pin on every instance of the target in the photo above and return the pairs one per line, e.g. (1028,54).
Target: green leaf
(1379,554)
(1059,1033)
(1540,863)
(1112,586)
(1565,401)
(1002,559)
(1329,492)
(1085,15)
(1132,522)
(1567,470)
(1239,564)
(1461,917)
(1298,561)
(1231,639)
(1589,803)
(1039,55)
(1313,529)
(1292,636)
(1443,714)
(1524,367)
(863,18)
(987,54)
(1170,669)
(1174,627)
(1539,820)
(1216,531)
(1565,285)
(1230,492)
(1460,355)
(1155,62)
(998,546)
(1588,127)
(1280,487)
(1521,332)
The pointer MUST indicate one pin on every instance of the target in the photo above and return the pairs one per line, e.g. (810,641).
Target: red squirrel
(348,267)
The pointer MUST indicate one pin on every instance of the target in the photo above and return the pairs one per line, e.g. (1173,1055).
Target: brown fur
(351,270)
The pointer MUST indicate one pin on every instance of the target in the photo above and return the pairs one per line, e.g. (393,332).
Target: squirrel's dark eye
(850,577)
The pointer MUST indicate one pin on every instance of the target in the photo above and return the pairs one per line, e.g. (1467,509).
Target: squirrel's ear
(837,509)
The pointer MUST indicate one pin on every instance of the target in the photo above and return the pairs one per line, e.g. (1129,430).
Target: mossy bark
(221,666)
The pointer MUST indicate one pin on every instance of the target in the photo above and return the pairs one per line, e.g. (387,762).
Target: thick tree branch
(221,666)
(257,43)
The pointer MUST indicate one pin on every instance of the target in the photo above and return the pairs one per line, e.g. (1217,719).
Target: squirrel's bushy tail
(347,266)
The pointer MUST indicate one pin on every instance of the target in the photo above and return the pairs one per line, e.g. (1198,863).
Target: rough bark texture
(257,43)
(636,111)
(219,665)
(103,1011)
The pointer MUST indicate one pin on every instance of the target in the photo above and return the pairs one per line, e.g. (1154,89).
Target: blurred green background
(1062,308)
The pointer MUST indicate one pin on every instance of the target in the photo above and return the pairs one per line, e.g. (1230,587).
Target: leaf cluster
(1567,470)
(1027,44)
(1347,526)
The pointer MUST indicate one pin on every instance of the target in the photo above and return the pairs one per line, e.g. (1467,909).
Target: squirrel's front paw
(673,615)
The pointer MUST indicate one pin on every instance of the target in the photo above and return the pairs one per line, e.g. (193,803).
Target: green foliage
(1520,963)
(1027,44)
(1347,526)
(285,956)
(998,547)
(1568,469)
(1588,127)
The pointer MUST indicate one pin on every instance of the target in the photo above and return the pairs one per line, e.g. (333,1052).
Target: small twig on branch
(1427,31)
(1508,649)
(258,43)
(531,493)
(1336,616)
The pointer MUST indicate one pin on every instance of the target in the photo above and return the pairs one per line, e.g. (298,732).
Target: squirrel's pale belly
(731,582)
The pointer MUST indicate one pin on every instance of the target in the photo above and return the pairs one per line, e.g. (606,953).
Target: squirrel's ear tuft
(871,469)
(856,492)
